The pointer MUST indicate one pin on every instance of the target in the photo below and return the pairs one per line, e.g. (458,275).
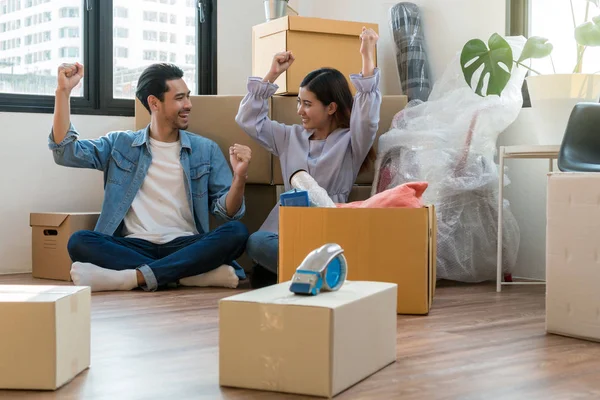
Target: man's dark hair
(153,82)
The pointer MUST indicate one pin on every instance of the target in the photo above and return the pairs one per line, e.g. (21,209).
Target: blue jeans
(263,249)
(161,264)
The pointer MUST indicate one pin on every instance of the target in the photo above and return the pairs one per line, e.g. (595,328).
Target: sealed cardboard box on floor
(396,245)
(49,237)
(315,43)
(44,335)
(313,345)
(573,255)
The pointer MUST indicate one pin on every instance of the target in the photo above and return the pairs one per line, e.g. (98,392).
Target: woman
(332,144)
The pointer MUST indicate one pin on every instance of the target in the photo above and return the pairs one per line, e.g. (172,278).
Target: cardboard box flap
(280,294)
(317,25)
(47,219)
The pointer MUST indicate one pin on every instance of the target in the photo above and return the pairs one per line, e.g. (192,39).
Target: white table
(533,151)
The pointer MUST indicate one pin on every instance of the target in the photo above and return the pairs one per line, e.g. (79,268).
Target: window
(33,3)
(122,33)
(10,61)
(68,52)
(38,57)
(68,32)
(121,12)
(36,38)
(150,35)
(151,16)
(553,19)
(10,26)
(108,37)
(69,12)
(9,44)
(121,52)
(39,18)
(9,6)
(150,55)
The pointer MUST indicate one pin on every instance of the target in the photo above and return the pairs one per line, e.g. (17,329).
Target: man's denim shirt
(124,157)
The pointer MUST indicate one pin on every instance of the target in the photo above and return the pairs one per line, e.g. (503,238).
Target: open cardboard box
(49,238)
(396,245)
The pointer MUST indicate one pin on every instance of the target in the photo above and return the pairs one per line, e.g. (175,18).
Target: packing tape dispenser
(323,269)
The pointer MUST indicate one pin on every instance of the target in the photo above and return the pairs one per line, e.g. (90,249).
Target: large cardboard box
(315,42)
(44,335)
(573,255)
(396,245)
(318,345)
(49,237)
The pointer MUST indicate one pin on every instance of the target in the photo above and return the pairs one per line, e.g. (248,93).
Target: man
(160,183)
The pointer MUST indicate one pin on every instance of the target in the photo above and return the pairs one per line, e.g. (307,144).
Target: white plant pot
(553,98)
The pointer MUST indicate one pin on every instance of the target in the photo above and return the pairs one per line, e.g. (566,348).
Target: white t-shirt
(160,211)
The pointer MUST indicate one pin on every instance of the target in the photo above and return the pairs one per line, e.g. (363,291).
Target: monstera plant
(497,61)
(497,57)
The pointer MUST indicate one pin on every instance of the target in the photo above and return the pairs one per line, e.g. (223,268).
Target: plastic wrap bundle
(450,142)
(316,194)
(411,57)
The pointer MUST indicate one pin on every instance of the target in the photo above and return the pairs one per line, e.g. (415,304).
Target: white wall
(527,196)
(235,19)
(31,182)
(448,24)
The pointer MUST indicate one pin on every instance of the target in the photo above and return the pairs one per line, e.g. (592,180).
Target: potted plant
(553,96)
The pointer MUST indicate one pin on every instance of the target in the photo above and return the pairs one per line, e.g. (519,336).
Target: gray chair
(580,148)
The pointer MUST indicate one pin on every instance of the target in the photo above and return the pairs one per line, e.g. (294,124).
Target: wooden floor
(475,344)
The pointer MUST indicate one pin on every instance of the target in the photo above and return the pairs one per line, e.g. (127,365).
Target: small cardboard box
(573,255)
(50,235)
(44,335)
(396,245)
(313,345)
(315,43)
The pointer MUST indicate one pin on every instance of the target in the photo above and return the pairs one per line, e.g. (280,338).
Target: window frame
(518,21)
(98,55)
